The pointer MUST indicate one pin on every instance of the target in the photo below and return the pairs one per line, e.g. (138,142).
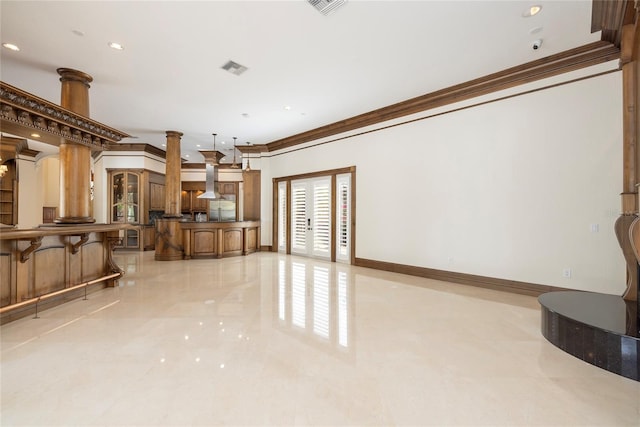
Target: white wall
(29,193)
(49,171)
(509,189)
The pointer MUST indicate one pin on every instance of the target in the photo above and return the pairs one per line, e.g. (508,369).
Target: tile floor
(269,339)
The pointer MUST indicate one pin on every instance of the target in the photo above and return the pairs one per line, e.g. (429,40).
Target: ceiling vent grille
(234,68)
(326,6)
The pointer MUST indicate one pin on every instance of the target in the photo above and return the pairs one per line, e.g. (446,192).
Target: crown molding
(23,114)
(610,16)
(563,62)
(147,148)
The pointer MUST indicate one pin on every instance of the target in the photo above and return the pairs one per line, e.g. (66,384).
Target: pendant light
(234,165)
(248,168)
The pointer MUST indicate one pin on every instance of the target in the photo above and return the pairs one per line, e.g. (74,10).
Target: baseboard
(265,248)
(505,285)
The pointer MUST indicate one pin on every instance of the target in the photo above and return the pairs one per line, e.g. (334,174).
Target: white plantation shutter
(282,216)
(298,217)
(322,217)
(343,217)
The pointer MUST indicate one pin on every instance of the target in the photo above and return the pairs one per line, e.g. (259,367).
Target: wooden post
(172,176)
(629,56)
(169,245)
(75,159)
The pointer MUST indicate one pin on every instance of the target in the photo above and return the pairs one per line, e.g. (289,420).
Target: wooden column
(75,159)
(172,176)
(169,245)
(629,56)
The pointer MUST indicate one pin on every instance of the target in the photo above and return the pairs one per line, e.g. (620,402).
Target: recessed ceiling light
(164,145)
(116,46)
(186,155)
(197,145)
(11,46)
(531,11)
(35,135)
(287,107)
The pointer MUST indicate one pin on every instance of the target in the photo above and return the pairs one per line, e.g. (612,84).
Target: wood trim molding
(563,62)
(505,285)
(610,16)
(136,147)
(257,148)
(338,171)
(23,114)
(203,166)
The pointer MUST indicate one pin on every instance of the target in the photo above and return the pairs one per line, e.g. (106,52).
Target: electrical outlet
(566,273)
(595,228)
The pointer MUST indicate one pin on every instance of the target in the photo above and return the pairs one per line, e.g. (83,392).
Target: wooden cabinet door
(185,201)
(227,187)
(149,238)
(199,205)
(156,197)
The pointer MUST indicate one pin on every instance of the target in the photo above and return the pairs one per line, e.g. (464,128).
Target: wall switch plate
(595,228)
(566,273)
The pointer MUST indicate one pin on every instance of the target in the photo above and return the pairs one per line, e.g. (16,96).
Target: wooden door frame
(332,173)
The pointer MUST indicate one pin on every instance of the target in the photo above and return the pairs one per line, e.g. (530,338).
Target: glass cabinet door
(125,205)
(132,198)
(117,198)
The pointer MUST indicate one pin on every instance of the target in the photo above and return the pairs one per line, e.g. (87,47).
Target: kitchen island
(220,239)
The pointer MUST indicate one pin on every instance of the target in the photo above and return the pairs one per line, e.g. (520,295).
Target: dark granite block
(597,328)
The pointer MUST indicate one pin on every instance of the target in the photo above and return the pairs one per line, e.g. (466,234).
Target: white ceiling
(364,56)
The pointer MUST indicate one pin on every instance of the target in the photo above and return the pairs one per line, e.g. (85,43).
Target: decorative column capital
(71,75)
(174,134)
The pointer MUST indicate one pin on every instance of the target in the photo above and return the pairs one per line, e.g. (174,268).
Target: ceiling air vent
(326,6)
(234,68)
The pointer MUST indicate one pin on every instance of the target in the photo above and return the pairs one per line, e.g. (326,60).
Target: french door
(311,217)
(311,220)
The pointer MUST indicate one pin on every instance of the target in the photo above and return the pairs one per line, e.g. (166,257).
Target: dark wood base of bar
(48,265)
(600,329)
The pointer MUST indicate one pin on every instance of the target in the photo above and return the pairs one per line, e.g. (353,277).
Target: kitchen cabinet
(125,204)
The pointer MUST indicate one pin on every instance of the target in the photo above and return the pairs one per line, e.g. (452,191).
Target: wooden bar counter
(220,239)
(39,262)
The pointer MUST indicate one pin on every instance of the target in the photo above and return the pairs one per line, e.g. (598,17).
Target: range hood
(210,192)
(211,161)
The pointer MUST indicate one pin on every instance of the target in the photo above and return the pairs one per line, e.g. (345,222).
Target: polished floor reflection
(269,339)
